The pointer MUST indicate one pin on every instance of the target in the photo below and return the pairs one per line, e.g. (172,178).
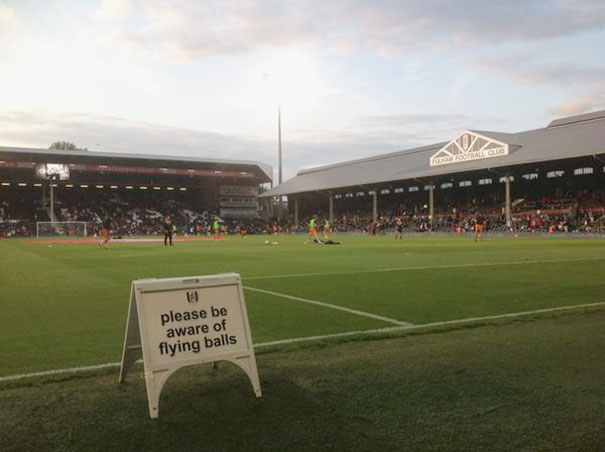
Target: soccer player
(168,230)
(104,243)
(479,225)
(216,227)
(327,229)
(313,230)
(399,229)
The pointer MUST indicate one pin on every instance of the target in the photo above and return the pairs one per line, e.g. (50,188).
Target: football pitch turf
(65,306)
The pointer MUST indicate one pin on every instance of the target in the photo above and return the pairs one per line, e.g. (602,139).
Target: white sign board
(57,171)
(179,322)
(467,147)
(238,190)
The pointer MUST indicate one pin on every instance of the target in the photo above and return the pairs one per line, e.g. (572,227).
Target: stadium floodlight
(267,76)
(61,229)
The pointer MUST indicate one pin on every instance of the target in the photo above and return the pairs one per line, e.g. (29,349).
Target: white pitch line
(69,370)
(330,305)
(428,267)
(428,325)
(322,337)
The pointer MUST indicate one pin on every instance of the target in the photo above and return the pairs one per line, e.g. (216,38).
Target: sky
(352,78)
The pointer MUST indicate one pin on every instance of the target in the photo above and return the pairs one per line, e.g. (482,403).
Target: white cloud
(116,10)
(193,30)
(584,100)
(100,133)
(522,70)
(571,108)
(584,85)
(9,24)
(8,15)
(363,137)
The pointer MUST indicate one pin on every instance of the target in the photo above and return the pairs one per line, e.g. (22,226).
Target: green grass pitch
(65,306)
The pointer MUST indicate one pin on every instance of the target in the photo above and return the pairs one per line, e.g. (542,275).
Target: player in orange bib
(105,233)
(313,230)
(479,227)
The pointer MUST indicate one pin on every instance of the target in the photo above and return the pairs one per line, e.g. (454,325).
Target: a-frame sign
(179,322)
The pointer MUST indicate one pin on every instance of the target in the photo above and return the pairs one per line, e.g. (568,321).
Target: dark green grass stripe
(333,338)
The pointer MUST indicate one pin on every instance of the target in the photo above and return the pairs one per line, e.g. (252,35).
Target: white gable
(469,146)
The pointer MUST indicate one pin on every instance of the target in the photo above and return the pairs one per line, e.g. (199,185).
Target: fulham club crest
(465,141)
(192,297)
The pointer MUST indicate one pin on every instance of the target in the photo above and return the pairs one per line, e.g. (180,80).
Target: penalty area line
(329,305)
(376,331)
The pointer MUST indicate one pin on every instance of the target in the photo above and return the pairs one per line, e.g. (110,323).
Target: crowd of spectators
(129,213)
(19,214)
(580,210)
(138,213)
(143,214)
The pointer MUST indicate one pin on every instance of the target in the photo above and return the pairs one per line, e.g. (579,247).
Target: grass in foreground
(525,386)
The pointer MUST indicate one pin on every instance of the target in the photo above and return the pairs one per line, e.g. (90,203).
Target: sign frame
(137,342)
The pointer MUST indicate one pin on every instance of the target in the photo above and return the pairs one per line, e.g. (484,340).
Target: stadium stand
(550,179)
(134,191)
(543,180)
(131,213)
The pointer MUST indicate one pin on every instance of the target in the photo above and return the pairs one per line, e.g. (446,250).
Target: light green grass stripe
(471,320)
(329,305)
(426,267)
(377,333)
